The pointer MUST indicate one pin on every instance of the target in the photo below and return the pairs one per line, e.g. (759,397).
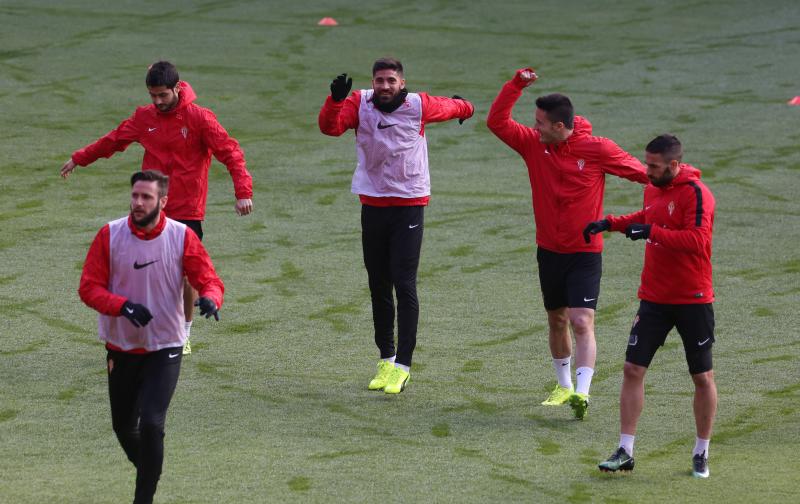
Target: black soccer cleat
(619,461)
(700,466)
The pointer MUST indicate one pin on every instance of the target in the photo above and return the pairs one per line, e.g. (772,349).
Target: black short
(695,324)
(194,225)
(569,280)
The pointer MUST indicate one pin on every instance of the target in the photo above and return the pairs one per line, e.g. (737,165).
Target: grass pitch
(273,406)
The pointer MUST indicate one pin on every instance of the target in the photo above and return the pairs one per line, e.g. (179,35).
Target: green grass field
(273,406)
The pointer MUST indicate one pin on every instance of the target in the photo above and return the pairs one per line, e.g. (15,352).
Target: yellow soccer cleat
(559,395)
(397,381)
(579,404)
(187,347)
(384,370)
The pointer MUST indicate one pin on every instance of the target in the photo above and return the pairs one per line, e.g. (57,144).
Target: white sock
(405,368)
(390,359)
(626,441)
(583,375)
(701,446)
(187,328)
(563,372)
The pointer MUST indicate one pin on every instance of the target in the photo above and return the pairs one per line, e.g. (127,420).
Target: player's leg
(159,378)
(123,372)
(696,326)
(648,332)
(405,248)
(582,282)
(551,281)
(375,246)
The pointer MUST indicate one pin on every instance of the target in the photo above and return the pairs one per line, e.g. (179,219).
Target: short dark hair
(387,64)
(152,176)
(162,73)
(667,145)
(558,108)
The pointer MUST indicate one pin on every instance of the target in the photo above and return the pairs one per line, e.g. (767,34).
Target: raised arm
(499,121)
(339,113)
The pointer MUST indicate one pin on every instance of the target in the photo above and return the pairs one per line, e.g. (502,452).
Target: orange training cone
(327,21)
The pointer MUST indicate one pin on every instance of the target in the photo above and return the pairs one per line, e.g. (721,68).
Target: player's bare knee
(633,372)
(558,320)
(704,380)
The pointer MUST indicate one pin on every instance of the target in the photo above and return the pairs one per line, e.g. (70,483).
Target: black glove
(638,231)
(456,97)
(138,314)
(207,307)
(340,87)
(595,227)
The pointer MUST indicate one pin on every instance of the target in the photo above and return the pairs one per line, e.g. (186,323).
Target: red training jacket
(178,143)
(567,179)
(337,117)
(197,267)
(677,257)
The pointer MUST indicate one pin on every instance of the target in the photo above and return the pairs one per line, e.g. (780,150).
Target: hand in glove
(207,308)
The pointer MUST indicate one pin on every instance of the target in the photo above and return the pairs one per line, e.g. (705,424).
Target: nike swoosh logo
(647,207)
(151,129)
(565,364)
(587,300)
(636,231)
(143,265)
(129,310)
(412,226)
(704,342)
(384,126)
(172,356)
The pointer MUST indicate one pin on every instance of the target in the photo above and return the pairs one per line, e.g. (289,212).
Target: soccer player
(676,220)
(133,276)
(567,168)
(179,138)
(393,184)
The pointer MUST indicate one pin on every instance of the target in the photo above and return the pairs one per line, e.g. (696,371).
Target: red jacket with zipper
(179,143)
(677,257)
(567,179)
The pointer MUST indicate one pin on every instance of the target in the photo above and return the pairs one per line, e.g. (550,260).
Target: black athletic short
(194,225)
(569,280)
(695,324)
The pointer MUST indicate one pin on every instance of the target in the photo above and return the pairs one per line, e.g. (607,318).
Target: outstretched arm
(618,162)
(116,140)
(440,108)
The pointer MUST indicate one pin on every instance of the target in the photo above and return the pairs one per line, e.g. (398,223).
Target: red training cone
(794,101)
(327,21)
